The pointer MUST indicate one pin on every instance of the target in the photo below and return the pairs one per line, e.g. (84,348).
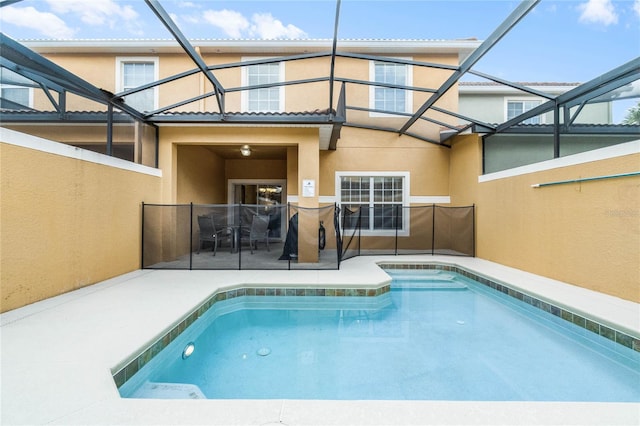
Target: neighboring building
(496,103)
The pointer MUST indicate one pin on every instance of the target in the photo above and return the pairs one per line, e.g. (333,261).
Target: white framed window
(18,94)
(379,196)
(516,107)
(267,99)
(386,98)
(132,72)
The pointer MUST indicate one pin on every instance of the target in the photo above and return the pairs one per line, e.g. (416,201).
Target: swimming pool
(435,336)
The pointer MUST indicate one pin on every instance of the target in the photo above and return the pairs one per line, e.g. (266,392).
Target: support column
(308,190)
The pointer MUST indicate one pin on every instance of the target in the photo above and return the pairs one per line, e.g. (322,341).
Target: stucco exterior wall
(492,108)
(587,234)
(202,176)
(366,150)
(66,223)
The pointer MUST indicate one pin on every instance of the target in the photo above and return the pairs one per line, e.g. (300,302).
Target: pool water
(435,336)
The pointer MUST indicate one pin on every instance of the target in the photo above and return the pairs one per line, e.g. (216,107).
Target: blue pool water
(435,336)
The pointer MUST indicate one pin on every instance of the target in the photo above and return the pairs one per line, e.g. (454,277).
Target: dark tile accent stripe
(125,373)
(586,323)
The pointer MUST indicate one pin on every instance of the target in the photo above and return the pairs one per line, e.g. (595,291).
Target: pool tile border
(131,368)
(607,332)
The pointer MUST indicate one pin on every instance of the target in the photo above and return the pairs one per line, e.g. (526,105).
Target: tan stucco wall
(202,176)
(303,97)
(256,169)
(587,234)
(66,223)
(367,150)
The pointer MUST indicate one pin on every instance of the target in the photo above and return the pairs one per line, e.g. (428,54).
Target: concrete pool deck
(58,354)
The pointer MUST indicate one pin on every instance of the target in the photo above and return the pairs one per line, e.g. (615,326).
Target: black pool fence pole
(288,230)
(473,230)
(433,230)
(142,240)
(191,236)
(240,236)
(396,228)
(336,225)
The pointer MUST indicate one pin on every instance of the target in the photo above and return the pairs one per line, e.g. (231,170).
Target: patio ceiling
(22,66)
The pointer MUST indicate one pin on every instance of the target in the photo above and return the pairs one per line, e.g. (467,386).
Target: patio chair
(259,231)
(208,232)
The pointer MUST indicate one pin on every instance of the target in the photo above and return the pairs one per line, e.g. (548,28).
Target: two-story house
(277,130)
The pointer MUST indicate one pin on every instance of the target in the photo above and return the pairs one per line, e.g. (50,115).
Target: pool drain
(263,351)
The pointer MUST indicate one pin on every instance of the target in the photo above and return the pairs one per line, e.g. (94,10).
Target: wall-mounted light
(245,150)
(188,350)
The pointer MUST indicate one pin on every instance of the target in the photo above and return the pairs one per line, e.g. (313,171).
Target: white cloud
(95,12)
(45,23)
(598,12)
(229,21)
(190,19)
(262,25)
(265,26)
(636,7)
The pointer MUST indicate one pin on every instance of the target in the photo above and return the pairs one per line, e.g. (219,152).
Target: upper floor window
(266,99)
(388,98)
(134,72)
(17,95)
(378,198)
(517,107)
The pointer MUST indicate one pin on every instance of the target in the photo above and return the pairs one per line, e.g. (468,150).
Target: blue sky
(559,41)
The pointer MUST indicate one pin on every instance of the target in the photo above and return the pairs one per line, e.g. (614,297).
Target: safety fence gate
(242,236)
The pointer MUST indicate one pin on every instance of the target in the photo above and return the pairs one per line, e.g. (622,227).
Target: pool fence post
(288,230)
(433,229)
(240,236)
(473,230)
(396,227)
(142,240)
(191,236)
(336,225)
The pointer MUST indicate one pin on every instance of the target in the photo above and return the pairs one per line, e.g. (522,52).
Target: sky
(558,41)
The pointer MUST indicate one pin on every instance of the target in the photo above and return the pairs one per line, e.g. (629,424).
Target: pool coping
(58,355)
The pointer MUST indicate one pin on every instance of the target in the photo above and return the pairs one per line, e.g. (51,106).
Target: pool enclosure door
(269,193)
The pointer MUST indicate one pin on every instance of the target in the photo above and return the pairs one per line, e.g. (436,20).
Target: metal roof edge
(252,45)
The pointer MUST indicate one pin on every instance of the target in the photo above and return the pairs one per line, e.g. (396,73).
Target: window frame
(244,98)
(508,100)
(406,191)
(408,107)
(121,60)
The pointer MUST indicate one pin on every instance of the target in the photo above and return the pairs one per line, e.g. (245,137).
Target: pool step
(427,280)
(169,391)
(427,285)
